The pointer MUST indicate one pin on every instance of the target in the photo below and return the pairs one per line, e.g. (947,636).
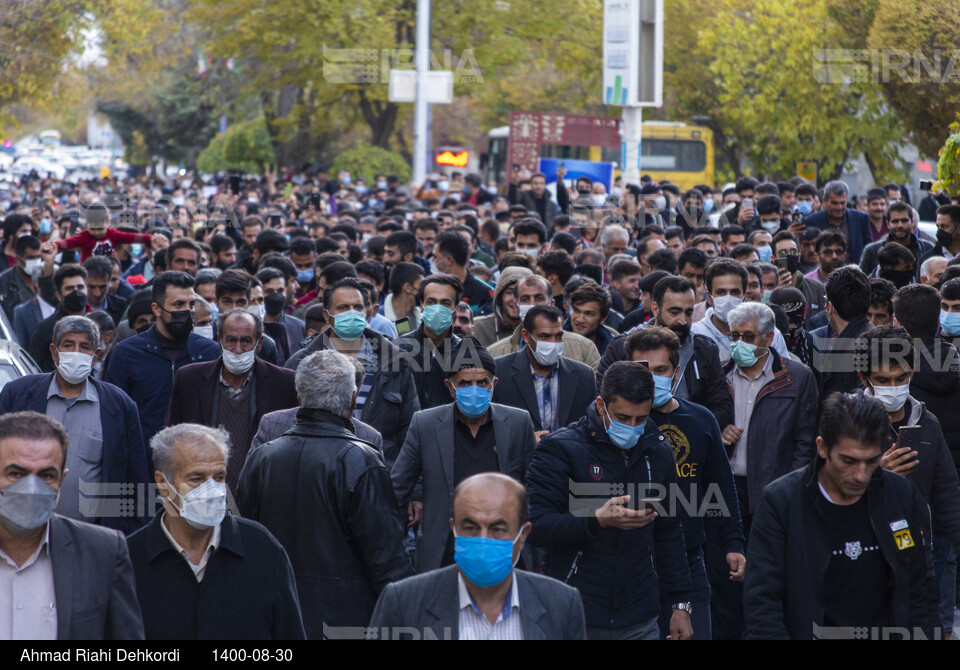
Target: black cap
(594,272)
(471,354)
(139,304)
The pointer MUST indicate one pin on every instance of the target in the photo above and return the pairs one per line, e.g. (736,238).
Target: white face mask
(891,397)
(204,331)
(238,363)
(530,252)
(258,310)
(33,267)
(598,199)
(723,305)
(203,507)
(74,366)
(548,353)
(524,309)
(771,226)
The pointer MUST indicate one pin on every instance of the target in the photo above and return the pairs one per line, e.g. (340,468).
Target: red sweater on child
(105,246)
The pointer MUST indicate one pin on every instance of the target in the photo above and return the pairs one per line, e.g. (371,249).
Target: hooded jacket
(491,328)
(938,388)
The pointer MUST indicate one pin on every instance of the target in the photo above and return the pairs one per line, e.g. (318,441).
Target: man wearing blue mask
(388,398)
(447,444)
(703,472)
(482,597)
(430,345)
(626,552)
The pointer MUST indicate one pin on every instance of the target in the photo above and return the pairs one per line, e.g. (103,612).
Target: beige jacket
(575,347)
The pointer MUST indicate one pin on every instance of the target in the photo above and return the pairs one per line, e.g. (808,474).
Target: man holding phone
(786,256)
(920,452)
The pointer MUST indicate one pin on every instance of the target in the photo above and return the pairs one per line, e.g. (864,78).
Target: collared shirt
(474,625)
(235,393)
(745,392)
(28,603)
(81,417)
(541,382)
(370,360)
(201,567)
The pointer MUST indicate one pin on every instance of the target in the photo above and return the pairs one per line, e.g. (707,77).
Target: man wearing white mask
(235,390)
(191,558)
(19,283)
(106,444)
(726,282)
(556,391)
(919,451)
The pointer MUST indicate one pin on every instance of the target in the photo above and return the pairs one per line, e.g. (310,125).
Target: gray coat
(428,453)
(275,424)
(94,583)
(428,606)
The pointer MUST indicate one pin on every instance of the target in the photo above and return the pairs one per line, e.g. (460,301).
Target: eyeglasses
(748,337)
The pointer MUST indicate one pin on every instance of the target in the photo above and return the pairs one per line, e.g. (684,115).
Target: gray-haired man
(106,446)
(195,542)
(327,497)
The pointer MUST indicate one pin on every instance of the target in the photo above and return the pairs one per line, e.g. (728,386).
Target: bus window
(673,155)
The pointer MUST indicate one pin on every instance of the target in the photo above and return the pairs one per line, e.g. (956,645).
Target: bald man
(482,597)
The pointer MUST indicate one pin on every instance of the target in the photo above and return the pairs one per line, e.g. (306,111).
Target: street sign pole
(421,108)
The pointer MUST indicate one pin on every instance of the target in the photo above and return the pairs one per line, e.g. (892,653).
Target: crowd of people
(456,411)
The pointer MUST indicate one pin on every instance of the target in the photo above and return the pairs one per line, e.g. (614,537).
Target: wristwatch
(686,607)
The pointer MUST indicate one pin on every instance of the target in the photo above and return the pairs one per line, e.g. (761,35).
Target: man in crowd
(590,306)
(621,555)
(899,217)
(786,253)
(233,391)
(864,531)
(144,366)
(836,216)
(388,397)
(848,300)
(450,254)
(831,250)
(701,378)
(192,557)
(483,597)
(451,442)
(921,454)
(554,391)
(505,316)
(71,300)
(703,471)
(102,423)
(63,579)
(343,494)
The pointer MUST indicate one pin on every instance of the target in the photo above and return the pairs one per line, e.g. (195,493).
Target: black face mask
(75,303)
(274,304)
(944,239)
(900,278)
(582,191)
(180,323)
(793,263)
(144,328)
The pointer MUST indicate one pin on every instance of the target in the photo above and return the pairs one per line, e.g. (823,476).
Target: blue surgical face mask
(624,436)
(305,276)
(473,401)
(664,390)
(765,253)
(744,354)
(437,318)
(349,325)
(766,296)
(708,205)
(950,323)
(136,250)
(46,226)
(360,189)
(381,184)
(804,207)
(485,561)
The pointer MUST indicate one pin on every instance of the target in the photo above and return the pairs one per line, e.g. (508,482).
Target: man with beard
(948,233)
(701,378)
(900,225)
(786,254)
(831,249)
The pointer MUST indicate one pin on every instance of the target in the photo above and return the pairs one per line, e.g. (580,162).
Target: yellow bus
(676,152)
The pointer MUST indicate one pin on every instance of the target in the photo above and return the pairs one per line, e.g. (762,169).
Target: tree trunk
(381,117)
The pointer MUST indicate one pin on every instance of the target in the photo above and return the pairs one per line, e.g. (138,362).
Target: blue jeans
(945,576)
(699,599)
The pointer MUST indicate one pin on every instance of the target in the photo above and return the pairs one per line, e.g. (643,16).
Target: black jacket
(176,606)
(14,290)
(835,360)
(41,338)
(428,370)
(935,476)
(789,552)
(574,471)
(392,399)
(703,375)
(327,497)
(868,260)
(939,389)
